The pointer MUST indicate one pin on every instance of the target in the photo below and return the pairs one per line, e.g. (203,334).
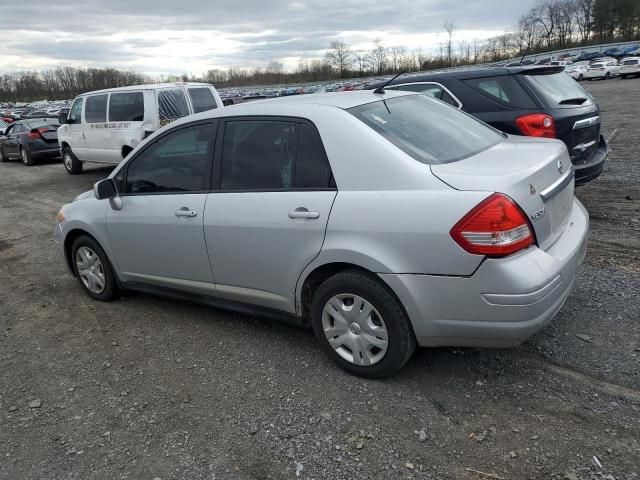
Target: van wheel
(26,157)
(71,163)
(361,325)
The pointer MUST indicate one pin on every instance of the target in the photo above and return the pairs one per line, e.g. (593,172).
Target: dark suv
(538,101)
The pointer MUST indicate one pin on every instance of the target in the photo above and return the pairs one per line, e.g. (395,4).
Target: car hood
(83,196)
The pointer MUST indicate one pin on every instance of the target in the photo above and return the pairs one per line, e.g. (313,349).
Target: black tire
(71,163)
(580,78)
(3,157)
(623,76)
(401,339)
(607,76)
(26,157)
(110,290)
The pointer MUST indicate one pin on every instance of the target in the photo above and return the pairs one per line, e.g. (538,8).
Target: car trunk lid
(536,173)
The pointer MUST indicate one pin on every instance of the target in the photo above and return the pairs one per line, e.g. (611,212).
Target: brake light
(496,227)
(36,133)
(537,125)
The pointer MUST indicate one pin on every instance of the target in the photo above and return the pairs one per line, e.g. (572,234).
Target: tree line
(549,25)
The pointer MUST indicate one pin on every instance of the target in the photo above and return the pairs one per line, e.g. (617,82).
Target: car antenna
(380,89)
(525,54)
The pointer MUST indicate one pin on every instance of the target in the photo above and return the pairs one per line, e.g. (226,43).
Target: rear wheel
(580,78)
(71,163)
(26,157)
(623,76)
(361,325)
(3,158)
(93,269)
(607,76)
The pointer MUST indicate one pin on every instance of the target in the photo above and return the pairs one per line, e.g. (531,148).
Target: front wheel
(3,158)
(26,157)
(93,269)
(71,163)
(607,76)
(361,325)
(580,78)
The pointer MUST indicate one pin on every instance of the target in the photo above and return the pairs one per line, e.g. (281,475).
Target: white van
(105,125)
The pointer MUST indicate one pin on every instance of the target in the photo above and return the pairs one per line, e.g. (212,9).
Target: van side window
(75,112)
(126,107)
(202,99)
(95,111)
(172,104)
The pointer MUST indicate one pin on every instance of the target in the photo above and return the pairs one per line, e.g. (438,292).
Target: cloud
(198,35)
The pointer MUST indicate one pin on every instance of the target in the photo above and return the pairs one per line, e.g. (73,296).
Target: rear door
(267,220)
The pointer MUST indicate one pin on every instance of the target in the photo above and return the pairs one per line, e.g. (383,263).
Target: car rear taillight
(496,227)
(36,133)
(537,125)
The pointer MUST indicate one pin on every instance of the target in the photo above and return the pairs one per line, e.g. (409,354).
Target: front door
(10,143)
(157,235)
(74,129)
(267,221)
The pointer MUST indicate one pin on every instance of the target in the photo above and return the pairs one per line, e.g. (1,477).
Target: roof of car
(148,86)
(469,72)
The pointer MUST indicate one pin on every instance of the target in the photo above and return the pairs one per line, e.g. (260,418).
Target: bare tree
(340,56)
(361,61)
(449,27)
(378,57)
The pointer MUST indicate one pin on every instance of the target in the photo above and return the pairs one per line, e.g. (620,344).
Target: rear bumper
(43,149)
(592,168)
(504,302)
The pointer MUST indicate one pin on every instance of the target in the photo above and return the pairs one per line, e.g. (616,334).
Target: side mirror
(62,118)
(105,189)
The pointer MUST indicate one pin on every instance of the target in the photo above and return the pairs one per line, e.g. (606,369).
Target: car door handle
(186,212)
(302,212)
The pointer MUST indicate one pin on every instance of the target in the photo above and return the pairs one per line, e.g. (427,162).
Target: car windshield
(42,122)
(430,131)
(559,89)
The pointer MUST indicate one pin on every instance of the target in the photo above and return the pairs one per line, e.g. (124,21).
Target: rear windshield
(559,89)
(42,122)
(430,131)
(630,62)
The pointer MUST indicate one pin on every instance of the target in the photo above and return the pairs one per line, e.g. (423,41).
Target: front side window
(172,104)
(433,90)
(258,155)
(126,107)
(504,88)
(176,163)
(428,131)
(202,99)
(75,113)
(95,111)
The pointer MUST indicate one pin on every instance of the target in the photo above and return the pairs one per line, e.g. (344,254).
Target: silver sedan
(382,220)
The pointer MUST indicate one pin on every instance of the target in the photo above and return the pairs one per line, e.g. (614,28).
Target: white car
(105,125)
(602,69)
(577,70)
(630,67)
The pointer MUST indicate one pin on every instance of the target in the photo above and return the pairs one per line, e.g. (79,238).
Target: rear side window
(429,131)
(504,89)
(95,111)
(172,104)
(202,99)
(559,89)
(630,62)
(258,155)
(311,168)
(126,107)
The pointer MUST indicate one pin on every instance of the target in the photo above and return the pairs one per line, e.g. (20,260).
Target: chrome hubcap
(67,161)
(90,270)
(355,329)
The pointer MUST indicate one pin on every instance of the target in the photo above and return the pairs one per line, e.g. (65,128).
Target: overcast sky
(193,36)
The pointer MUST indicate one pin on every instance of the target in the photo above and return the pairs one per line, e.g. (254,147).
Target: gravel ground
(146,388)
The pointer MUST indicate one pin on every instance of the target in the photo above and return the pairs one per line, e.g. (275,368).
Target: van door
(96,132)
(125,129)
(74,130)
